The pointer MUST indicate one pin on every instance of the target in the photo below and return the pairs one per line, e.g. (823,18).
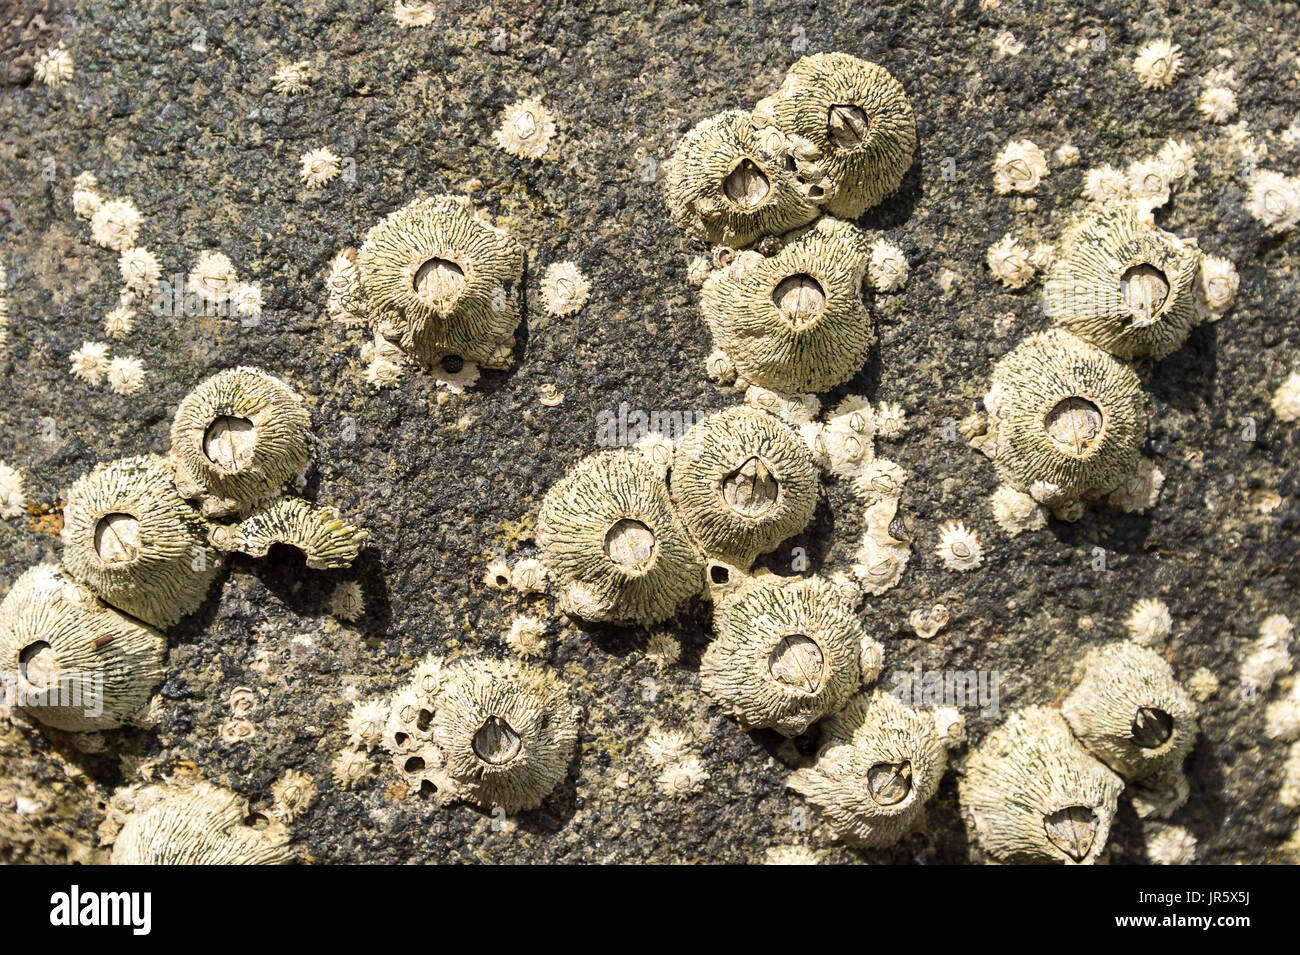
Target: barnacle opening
(496,742)
(630,544)
(229,441)
(720,574)
(1074,424)
(1152,727)
(746,185)
(438,279)
(752,490)
(889,783)
(38,664)
(847,125)
(414,765)
(1073,830)
(1145,289)
(452,364)
(800,299)
(798,664)
(117,538)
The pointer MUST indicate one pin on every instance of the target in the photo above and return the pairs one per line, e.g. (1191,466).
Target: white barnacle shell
(1149,623)
(888,267)
(115,224)
(1016,512)
(1008,260)
(351,769)
(140,269)
(318,167)
(1179,159)
(1019,167)
(958,547)
(1286,399)
(1105,184)
(213,276)
(1216,287)
(528,576)
(526,129)
(891,421)
(1217,104)
(326,541)
(1157,64)
(1275,200)
(527,636)
(293,794)
(367,723)
(347,601)
(199,824)
(1140,490)
(90,362)
(54,68)
(564,289)
(796,410)
(125,375)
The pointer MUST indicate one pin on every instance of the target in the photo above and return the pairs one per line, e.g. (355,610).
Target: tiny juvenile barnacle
(198,824)
(787,653)
(613,546)
(1130,713)
(1032,794)
(878,764)
(319,533)
(795,321)
(78,663)
(237,439)
(725,185)
(439,280)
(743,481)
(849,126)
(132,540)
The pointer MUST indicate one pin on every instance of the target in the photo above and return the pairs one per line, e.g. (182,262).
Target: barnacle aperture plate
(199,824)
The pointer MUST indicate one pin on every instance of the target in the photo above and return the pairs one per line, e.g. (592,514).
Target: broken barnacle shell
(199,824)
(324,538)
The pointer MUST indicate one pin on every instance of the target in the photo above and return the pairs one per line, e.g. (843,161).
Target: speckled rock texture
(173,106)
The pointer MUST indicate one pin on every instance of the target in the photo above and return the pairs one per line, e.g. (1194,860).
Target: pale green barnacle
(324,538)
(132,540)
(507,733)
(743,481)
(440,280)
(1130,713)
(199,824)
(787,653)
(725,185)
(78,664)
(850,125)
(795,321)
(878,765)
(1032,794)
(237,439)
(1066,420)
(1124,285)
(612,544)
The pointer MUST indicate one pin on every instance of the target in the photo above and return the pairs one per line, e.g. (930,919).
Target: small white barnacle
(527,636)
(564,289)
(683,778)
(347,602)
(1019,167)
(926,623)
(881,559)
(1171,845)
(528,576)
(526,129)
(1067,154)
(292,795)
(140,269)
(959,548)
(1105,184)
(318,167)
(54,68)
(891,421)
(1282,718)
(13,493)
(351,769)
(414,13)
(1043,256)
(1006,44)
(949,726)
(1216,287)
(115,224)
(791,855)
(246,298)
(1275,200)
(888,267)
(1149,179)
(1008,260)
(197,824)
(367,723)
(1286,399)
(1217,104)
(1139,490)
(663,649)
(657,449)
(1157,64)
(879,480)
(382,373)
(213,276)
(456,375)
(119,322)
(343,287)
(1203,684)
(1270,655)
(1016,512)
(90,362)
(795,409)
(848,437)
(697,270)
(1149,623)
(292,78)
(1179,159)
(125,375)
(666,746)
(86,202)
(497,576)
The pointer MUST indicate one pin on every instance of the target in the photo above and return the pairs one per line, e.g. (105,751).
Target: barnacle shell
(1123,285)
(1130,713)
(878,765)
(133,541)
(849,124)
(439,280)
(200,824)
(71,654)
(612,543)
(325,539)
(1033,794)
(787,653)
(238,438)
(795,321)
(743,481)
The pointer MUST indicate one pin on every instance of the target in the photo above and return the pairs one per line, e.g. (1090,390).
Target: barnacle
(612,543)
(725,185)
(683,778)
(1139,491)
(317,168)
(882,558)
(13,492)
(1275,200)
(958,547)
(125,375)
(527,636)
(133,541)
(879,763)
(1105,184)
(787,653)
(343,284)
(199,824)
(1019,167)
(1067,154)
(292,78)
(293,793)
(795,321)
(324,538)
(564,289)
(891,421)
(90,362)
(439,280)
(666,746)
(347,602)
(743,482)
(1179,159)
(878,480)
(1130,713)
(1031,793)
(794,410)
(213,276)
(1216,287)
(238,438)
(1171,845)
(1149,623)
(528,576)
(351,768)
(118,324)
(1016,512)
(526,129)
(1157,63)
(1008,260)
(887,268)
(1286,398)
(848,124)
(140,269)
(79,664)
(54,67)
(1217,104)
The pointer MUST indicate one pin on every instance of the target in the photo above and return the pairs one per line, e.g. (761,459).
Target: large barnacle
(200,824)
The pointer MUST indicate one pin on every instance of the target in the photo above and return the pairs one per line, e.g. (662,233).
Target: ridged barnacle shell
(1065,418)
(80,664)
(743,481)
(440,280)
(850,122)
(199,824)
(1130,713)
(238,438)
(878,765)
(1123,285)
(507,732)
(726,185)
(795,321)
(612,544)
(1031,793)
(787,653)
(132,540)
(324,538)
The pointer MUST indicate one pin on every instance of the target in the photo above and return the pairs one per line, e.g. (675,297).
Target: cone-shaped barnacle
(506,731)
(133,541)
(788,652)
(878,765)
(1123,285)
(1066,420)
(1031,793)
(725,185)
(198,824)
(1130,713)
(325,539)
(743,481)
(795,321)
(77,663)
(613,545)
(849,124)
(237,439)
(439,280)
